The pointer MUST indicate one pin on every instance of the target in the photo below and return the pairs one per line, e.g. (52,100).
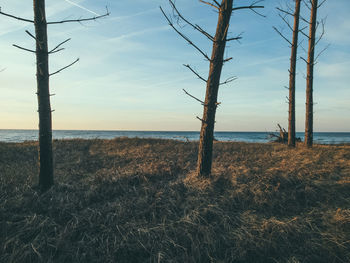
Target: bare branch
(204,120)
(301,42)
(237,38)
(301,46)
(302,28)
(284,11)
(252,7)
(55,22)
(258,13)
(321,3)
(196,27)
(56,49)
(79,20)
(194,72)
(289,7)
(287,99)
(308,7)
(304,60)
(286,22)
(304,20)
(16,17)
(210,4)
(224,37)
(205,33)
(183,36)
(201,119)
(322,33)
(234,38)
(323,50)
(230,79)
(25,49)
(193,97)
(227,60)
(216,2)
(58,71)
(304,34)
(280,33)
(31,35)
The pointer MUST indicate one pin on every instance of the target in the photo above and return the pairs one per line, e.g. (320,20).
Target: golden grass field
(137,200)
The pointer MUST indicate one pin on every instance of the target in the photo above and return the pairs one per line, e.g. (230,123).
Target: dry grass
(136,200)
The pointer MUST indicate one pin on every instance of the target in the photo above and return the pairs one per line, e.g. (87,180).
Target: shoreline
(298,144)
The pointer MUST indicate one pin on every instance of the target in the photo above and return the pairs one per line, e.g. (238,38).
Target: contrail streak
(84,8)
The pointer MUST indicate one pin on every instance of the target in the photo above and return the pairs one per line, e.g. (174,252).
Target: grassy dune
(137,200)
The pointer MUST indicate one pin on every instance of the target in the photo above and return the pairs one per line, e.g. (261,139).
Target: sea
(261,137)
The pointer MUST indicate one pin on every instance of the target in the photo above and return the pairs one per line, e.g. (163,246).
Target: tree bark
(292,71)
(205,151)
(310,76)
(43,93)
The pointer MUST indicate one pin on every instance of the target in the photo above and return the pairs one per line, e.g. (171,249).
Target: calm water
(32,135)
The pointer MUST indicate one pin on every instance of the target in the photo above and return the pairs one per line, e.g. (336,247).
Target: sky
(131,75)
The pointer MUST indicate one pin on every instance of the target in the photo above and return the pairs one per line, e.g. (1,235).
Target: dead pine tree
(43,94)
(216,61)
(313,6)
(46,173)
(293,61)
(310,76)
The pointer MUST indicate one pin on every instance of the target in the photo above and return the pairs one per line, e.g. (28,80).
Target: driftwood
(282,137)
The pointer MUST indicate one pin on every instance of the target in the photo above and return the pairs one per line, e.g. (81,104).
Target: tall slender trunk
(292,71)
(205,151)
(42,76)
(310,76)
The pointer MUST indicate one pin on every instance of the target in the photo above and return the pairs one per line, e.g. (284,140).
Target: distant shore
(137,200)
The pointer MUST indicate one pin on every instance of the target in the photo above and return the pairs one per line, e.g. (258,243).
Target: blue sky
(131,74)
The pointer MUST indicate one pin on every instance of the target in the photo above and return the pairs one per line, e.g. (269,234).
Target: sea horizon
(131,130)
(21,135)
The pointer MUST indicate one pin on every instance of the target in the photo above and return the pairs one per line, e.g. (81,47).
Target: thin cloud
(338,33)
(266,61)
(82,7)
(257,43)
(135,15)
(334,70)
(140,32)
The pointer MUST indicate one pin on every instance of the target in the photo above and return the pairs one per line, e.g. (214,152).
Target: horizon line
(107,130)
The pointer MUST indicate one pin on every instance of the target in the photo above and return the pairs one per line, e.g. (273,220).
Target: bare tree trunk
(43,91)
(210,104)
(310,76)
(42,76)
(292,71)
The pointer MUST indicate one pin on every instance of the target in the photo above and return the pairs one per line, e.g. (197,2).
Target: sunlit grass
(137,200)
